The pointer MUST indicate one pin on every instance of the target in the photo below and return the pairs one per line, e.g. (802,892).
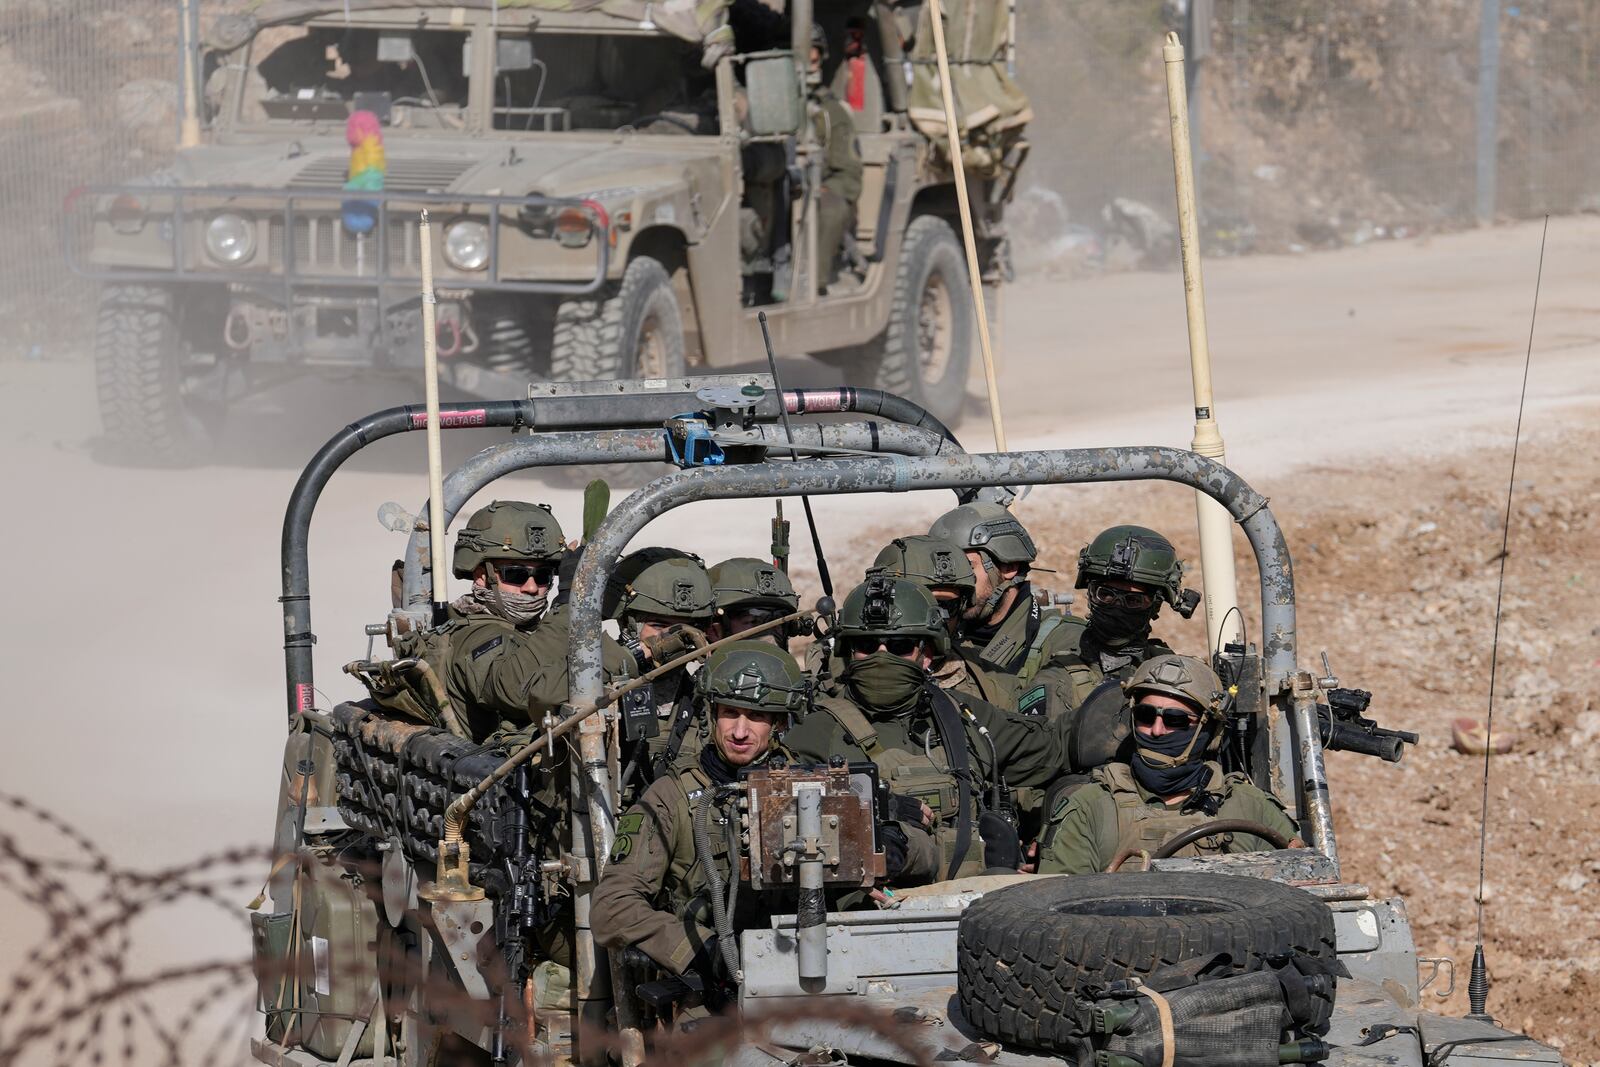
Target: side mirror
(513,53)
(776,100)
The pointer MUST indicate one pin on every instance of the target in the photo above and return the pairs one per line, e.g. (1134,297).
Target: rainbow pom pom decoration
(364,134)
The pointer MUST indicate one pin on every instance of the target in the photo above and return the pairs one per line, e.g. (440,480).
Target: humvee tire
(1026,950)
(139,376)
(924,352)
(636,332)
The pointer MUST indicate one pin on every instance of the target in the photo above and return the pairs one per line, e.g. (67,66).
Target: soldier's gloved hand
(1002,849)
(910,809)
(896,848)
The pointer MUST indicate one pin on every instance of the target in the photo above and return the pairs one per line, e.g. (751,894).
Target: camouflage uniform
(1115,813)
(1133,807)
(665,584)
(841,178)
(963,786)
(1116,641)
(1016,659)
(502,674)
(654,892)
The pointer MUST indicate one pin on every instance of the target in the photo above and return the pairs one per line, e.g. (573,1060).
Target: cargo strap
(856,724)
(1035,658)
(947,719)
(1169,1039)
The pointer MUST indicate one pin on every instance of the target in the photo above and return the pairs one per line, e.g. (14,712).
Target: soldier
(941,568)
(1005,633)
(1176,703)
(747,592)
(503,656)
(661,599)
(957,754)
(657,892)
(1128,571)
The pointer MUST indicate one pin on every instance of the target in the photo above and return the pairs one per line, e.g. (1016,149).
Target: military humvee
(401,914)
(617,190)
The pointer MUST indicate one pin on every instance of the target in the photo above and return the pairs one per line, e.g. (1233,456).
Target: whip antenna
(1478,984)
(805,501)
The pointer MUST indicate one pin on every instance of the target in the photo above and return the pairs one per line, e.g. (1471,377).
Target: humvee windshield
(544,81)
(588,81)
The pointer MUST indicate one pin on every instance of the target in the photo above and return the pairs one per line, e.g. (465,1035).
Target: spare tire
(1025,951)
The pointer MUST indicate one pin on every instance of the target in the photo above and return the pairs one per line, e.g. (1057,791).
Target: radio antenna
(805,501)
(1478,984)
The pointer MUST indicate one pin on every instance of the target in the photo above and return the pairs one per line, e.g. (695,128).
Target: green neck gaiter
(885,683)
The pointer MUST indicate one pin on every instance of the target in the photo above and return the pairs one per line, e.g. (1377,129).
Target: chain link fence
(1318,125)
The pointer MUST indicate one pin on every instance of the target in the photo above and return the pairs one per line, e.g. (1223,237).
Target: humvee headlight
(230,239)
(574,226)
(466,244)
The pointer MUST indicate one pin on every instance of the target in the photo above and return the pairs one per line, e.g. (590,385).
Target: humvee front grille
(323,245)
(400,175)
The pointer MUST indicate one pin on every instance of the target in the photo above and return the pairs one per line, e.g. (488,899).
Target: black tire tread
(1021,964)
(136,375)
(897,366)
(587,343)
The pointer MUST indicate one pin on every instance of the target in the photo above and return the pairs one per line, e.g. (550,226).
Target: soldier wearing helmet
(1169,785)
(1128,571)
(1005,633)
(942,568)
(952,752)
(661,600)
(502,653)
(747,592)
(655,892)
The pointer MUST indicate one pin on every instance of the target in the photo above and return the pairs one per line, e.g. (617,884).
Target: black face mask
(719,770)
(1118,626)
(1163,780)
(885,683)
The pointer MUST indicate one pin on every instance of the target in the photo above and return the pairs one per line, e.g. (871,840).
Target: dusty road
(143,648)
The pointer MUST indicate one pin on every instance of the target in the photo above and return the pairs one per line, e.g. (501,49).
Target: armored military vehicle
(618,188)
(404,909)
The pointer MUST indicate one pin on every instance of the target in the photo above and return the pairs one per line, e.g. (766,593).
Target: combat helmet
(1136,554)
(666,582)
(986,527)
(745,584)
(753,674)
(1184,677)
(507,529)
(886,606)
(932,562)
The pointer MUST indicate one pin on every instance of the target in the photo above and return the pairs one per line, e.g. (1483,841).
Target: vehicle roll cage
(640,422)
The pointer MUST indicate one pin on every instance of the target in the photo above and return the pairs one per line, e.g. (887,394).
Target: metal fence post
(1488,100)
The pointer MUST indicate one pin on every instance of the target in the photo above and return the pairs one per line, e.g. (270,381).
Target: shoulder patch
(488,646)
(1032,702)
(628,828)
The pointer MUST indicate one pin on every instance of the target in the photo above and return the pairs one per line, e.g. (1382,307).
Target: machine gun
(1344,728)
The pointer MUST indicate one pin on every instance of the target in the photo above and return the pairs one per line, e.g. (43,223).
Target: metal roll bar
(643,446)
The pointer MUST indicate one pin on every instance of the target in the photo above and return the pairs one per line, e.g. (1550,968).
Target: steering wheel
(670,120)
(1183,838)
(1195,833)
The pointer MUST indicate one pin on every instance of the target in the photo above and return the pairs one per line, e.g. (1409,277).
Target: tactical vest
(415,695)
(691,899)
(923,773)
(1144,826)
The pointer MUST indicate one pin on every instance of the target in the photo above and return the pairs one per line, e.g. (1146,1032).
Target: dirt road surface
(1369,392)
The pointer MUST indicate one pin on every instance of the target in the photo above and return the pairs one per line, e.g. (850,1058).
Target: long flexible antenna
(805,501)
(1478,984)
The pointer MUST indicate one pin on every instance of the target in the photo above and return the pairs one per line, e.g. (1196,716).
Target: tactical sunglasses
(1175,718)
(1109,596)
(520,573)
(895,646)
